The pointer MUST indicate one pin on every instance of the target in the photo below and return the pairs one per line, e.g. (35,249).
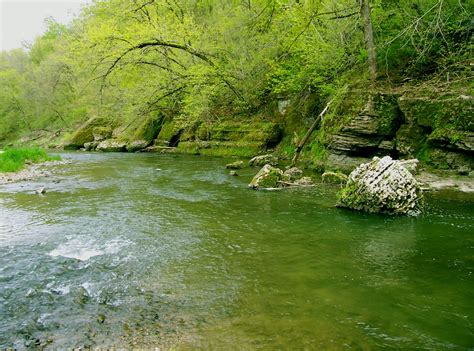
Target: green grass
(13,160)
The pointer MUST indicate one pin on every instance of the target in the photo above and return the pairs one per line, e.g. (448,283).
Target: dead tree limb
(303,142)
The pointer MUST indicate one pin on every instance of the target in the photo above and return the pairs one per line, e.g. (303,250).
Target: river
(144,250)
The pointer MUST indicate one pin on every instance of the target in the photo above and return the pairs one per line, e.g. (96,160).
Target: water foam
(83,250)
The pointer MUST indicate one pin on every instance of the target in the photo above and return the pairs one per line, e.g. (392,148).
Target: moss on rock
(85,133)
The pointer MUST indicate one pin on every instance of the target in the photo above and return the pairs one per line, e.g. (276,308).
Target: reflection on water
(119,254)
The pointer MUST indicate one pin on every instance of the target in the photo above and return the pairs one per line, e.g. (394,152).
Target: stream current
(148,250)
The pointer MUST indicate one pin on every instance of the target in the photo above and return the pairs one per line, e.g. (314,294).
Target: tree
(369,39)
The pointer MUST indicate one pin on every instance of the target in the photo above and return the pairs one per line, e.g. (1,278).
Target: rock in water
(137,145)
(263,160)
(382,186)
(294,173)
(111,145)
(40,191)
(235,165)
(305,181)
(267,178)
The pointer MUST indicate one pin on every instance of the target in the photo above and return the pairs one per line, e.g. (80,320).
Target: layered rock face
(383,185)
(368,132)
(439,129)
(245,138)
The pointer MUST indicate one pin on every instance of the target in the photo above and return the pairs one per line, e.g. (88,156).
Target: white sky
(23,20)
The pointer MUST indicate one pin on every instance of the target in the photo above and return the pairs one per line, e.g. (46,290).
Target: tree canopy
(206,59)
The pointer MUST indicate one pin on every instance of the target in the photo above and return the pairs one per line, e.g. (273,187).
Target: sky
(23,20)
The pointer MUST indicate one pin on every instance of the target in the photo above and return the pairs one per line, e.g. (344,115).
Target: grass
(13,160)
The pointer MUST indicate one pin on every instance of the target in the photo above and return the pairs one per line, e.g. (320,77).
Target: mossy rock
(409,139)
(170,132)
(220,148)
(111,145)
(453,139)
(388,114)
(142,129)
(251,131)
(84,133)
(446,159)
(268,177)
(101,133)
(440,112)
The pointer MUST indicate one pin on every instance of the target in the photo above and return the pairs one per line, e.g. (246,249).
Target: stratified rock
(137,145)
(262,160)
(268,177)
(111,146)
(334,177)
(382,186)
(293,173)
(235,165)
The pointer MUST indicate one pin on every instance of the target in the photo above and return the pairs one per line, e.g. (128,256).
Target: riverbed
(149,250)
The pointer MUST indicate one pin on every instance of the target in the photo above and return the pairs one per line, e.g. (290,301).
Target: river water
(120,254)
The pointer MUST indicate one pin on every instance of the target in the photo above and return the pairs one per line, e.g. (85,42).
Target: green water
(120,254)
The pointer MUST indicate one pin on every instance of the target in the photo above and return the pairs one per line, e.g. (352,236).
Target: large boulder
(111,145)
(382,186)
(137,145)
(84,133)
(268,177)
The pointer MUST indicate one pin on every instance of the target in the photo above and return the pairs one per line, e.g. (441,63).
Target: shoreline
(34,171)
(430,182)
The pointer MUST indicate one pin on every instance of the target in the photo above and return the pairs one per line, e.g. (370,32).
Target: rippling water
(120,254)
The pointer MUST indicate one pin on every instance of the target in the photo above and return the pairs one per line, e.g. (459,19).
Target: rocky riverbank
(39,170)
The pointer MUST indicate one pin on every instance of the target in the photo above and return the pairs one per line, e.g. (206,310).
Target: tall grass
(13,160)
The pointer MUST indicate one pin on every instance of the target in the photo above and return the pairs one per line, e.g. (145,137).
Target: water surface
(121,254)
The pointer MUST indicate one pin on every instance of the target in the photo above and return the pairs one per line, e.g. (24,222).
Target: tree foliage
(207,59)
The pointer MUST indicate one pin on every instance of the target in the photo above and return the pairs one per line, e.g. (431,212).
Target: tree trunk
(300,146)
(369,39)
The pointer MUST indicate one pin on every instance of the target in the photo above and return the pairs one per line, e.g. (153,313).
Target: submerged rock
(382,186)
(233,174)
(235,165)
(268,177)
(262,160)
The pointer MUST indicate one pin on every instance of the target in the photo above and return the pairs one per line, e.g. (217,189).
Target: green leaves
(124,60)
